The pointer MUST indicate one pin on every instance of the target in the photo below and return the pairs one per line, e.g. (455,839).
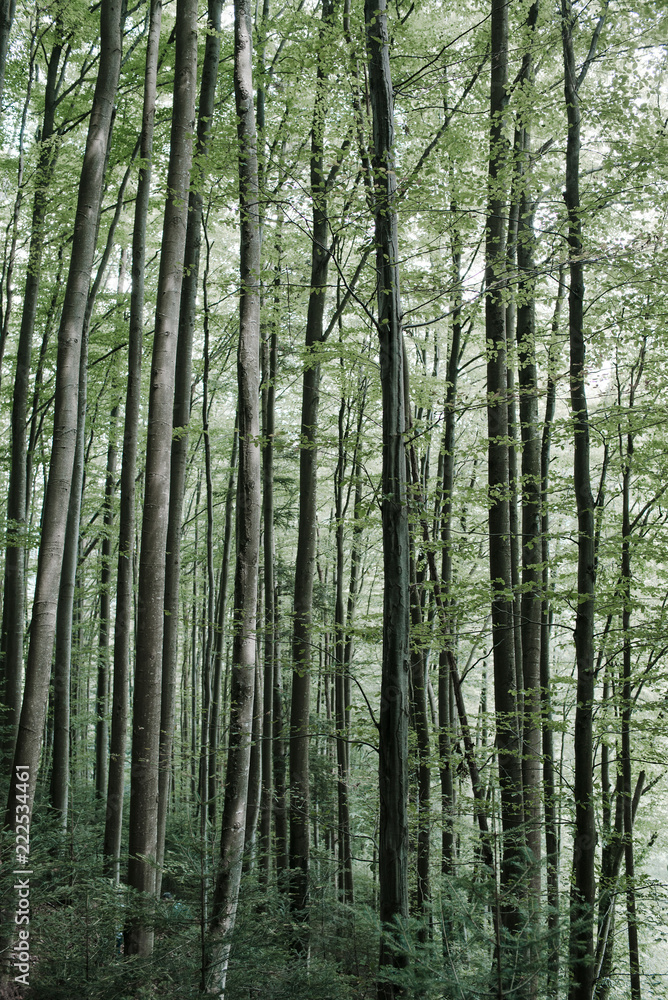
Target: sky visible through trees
(334,448)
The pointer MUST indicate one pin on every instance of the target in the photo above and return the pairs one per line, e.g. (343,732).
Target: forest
(334,499)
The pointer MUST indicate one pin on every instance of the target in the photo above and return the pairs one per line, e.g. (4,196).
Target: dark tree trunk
(269,351)
(549,791)
(7,11)
(393,724)
(500,561)
(306,539)
(151,606)
(102,725)
(583,886)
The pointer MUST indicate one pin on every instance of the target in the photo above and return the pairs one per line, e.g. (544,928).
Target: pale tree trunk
(126,528)
(60,774)
(57,497)
(150,608)
(219,654)
(181,417)
(248,519)
(13,610)
(393,723)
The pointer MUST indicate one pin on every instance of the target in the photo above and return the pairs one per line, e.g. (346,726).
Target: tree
(71,331)
(393,722)
(150,610)
(233,822)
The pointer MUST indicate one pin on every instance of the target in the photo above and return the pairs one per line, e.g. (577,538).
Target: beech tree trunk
(306,539)
(181,417)
(500,557)
(13,610)
(393,723)
(126,528)
(150,607)
(54,518)
(583,886)
(248,519)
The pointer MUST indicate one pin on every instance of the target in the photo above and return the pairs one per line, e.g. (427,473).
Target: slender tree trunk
(269,352)
(181,416)
(306,539)
(531,553)
(219,655)
(7,11)
(13,610)
(151,607)
(60,775)
(583,886)
(126,529)
(345,873)
(549,791)
(54,518)
(627,700)
(393,724)
(248,519)
(448,653)
(102,725)
(507,734)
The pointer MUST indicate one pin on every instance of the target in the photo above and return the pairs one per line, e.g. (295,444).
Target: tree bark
(393,723)
(38,669)
(500,562)
(13,610)
(583,886)
(126,529)
(248,518)
(150,609)
(308,485)
(181,415)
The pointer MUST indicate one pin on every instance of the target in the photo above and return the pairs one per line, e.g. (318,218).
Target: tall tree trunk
(271,665)
(248,518)
(54,517)
(60,775)
(13,610)
(181,415)
(583,886)
(306,538)
(531,553)
(393,723)
(151,608)
(500,561)
(448,653)
(102,725)
(126,529)
(345,873)
(627,700)
(549,791)
(219,654)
